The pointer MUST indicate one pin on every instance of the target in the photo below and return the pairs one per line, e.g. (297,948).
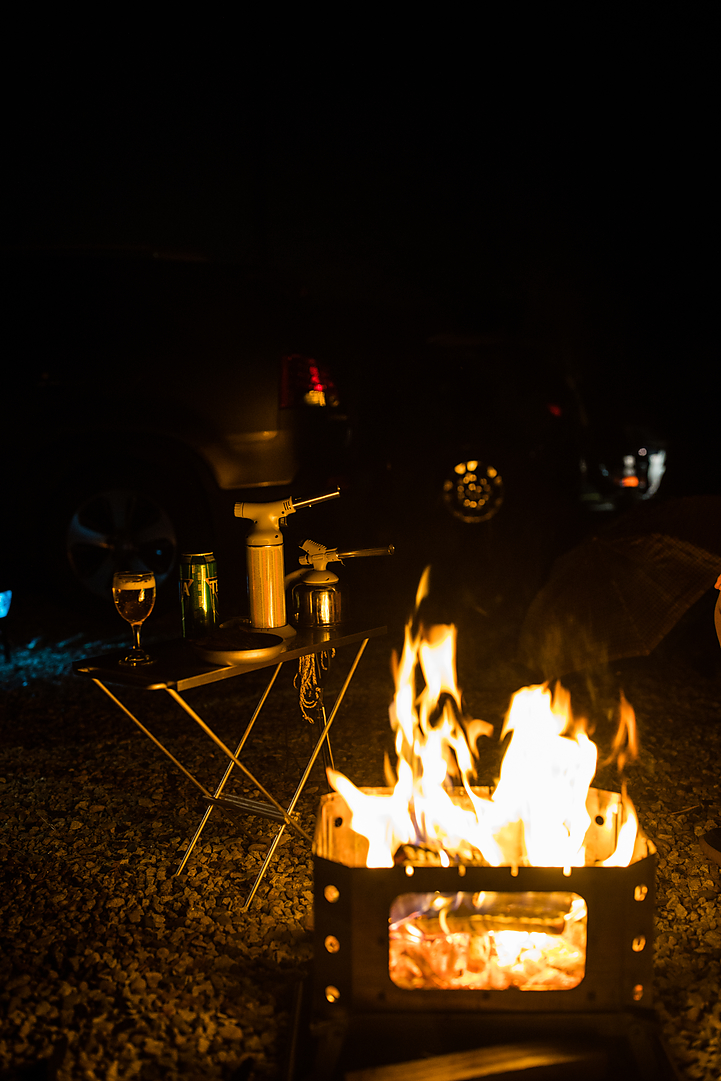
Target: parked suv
(143,395)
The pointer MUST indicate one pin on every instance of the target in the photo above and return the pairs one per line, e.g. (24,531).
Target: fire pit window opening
(488,940)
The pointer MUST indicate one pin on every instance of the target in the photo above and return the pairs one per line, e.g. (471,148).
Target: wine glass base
(134,659)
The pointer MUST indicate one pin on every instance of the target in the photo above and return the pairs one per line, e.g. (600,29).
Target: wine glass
(134,596)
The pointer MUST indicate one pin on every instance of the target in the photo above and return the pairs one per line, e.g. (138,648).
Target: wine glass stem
(136,634)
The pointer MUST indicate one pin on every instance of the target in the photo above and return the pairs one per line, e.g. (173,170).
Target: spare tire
(119,529)
(130,517)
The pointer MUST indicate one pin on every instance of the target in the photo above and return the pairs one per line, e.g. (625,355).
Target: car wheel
(119,528)
(472,491)
(130,516)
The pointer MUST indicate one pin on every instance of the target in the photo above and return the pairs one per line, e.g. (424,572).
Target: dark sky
(360,173)
(567,178)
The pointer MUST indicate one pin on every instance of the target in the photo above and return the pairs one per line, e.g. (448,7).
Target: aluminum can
(198,594)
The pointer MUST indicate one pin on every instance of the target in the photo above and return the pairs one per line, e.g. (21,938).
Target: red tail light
(304,382)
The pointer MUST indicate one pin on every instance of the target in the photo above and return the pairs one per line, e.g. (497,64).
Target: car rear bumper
(238,461)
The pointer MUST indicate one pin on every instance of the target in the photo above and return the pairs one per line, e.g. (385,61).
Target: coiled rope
(310,692)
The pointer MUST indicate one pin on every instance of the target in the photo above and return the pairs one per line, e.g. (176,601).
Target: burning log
(419,855)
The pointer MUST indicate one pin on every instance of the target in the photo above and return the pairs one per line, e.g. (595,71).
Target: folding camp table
(178,668)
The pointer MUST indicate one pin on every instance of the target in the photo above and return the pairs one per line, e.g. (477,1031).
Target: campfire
(542,813)
(437,898)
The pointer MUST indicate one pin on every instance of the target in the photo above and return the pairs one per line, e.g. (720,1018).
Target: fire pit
(414,937)
(410,960)
(509,926)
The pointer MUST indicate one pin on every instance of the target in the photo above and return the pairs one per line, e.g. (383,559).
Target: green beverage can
(198,594)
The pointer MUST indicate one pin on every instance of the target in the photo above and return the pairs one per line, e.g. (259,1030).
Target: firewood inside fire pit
(488,941)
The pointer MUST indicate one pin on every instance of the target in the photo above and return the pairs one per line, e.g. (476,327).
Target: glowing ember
(488,941)
(537,814)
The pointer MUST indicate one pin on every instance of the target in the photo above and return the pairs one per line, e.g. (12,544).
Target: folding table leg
(149,734)
(234,758)
(326,750)
(306,774)
(226,775)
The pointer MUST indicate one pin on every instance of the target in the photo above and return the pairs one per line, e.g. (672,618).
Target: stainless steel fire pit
(367,1010)
(354,906)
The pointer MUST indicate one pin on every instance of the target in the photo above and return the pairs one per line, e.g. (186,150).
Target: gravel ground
(113,968)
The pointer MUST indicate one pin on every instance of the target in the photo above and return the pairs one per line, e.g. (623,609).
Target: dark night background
(551,182)
(496,174)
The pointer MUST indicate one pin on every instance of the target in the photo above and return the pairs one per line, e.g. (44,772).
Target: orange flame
(545,776)
(537,814)
(625,743)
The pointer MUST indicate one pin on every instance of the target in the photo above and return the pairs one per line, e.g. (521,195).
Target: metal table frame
(179,668)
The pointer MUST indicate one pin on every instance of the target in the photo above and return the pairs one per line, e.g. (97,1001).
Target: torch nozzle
(358,552)
(268,517)
(318,556)
(313,499)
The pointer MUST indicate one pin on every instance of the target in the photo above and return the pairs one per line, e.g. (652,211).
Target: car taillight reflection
(304,382)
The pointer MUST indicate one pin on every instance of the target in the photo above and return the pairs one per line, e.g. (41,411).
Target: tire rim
(473,491)
(119,529)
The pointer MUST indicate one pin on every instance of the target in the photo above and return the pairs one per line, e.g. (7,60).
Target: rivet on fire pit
(638,992)
(638,944)
(333,945)
(409,870)
(639,894)
(331,894)
(461,871)
(332,993)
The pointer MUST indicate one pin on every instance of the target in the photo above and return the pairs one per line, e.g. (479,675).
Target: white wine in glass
(134,596)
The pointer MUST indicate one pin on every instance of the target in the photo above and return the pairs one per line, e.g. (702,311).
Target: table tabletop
(180,666)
